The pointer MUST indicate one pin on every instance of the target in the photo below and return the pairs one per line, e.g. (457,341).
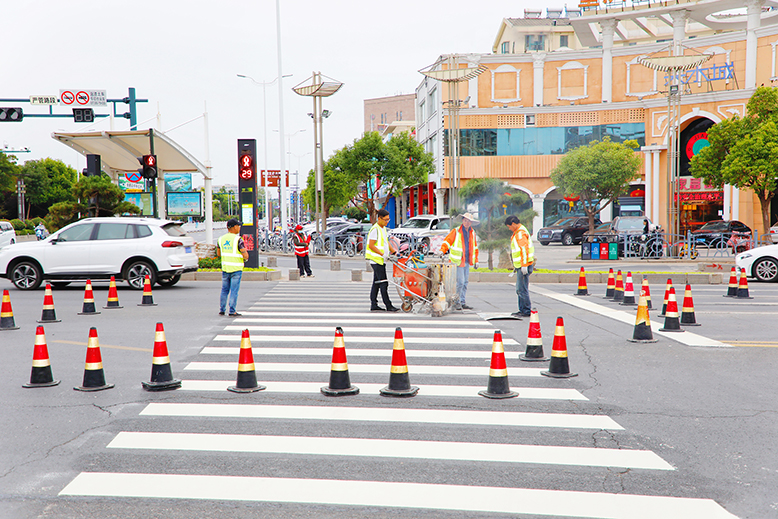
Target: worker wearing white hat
(462,246)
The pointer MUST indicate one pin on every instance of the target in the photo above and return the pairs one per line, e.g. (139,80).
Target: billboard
(178,182)
(184,203)
(143,200)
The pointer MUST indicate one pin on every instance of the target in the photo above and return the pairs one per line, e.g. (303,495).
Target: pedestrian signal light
(149,163)
(246,166)
(83,115)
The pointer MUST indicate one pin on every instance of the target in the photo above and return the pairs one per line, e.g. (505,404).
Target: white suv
(424,228)
(98,248)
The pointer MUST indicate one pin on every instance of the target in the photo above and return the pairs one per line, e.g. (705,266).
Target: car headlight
(743,255)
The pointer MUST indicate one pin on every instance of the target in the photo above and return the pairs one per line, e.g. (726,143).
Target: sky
(184,56)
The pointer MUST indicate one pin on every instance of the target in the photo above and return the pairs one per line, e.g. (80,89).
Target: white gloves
(525,270)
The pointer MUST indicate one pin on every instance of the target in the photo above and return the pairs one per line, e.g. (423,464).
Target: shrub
(35,222)
(28,224)
(17,224)
(210,263)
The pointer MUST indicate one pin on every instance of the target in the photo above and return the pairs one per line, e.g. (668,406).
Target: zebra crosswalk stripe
(356,339)
(294,367)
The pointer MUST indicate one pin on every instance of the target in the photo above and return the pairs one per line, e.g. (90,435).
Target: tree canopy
(47,181)
(9,172)
(596,172)
(744,152)
(97,196)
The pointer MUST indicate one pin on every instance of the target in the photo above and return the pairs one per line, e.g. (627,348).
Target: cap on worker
(470,217)
(298,227)
(232,222)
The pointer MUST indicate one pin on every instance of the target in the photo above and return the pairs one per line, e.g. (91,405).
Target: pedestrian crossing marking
(463,319)
(351,339)
(361,368)
(341,321)
(362,329)
(352,352)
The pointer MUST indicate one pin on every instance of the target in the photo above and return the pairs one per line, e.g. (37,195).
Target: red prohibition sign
(68,97)
(82,98)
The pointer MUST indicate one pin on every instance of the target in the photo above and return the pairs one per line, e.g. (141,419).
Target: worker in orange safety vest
(462,246)
(300,242)
(523,257)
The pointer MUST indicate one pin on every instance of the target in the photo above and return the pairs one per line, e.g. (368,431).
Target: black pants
(379,283)
(304,264)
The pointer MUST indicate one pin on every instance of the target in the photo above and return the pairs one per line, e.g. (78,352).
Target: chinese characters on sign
(693,184)
(702,196)
(272,178)
(43,100)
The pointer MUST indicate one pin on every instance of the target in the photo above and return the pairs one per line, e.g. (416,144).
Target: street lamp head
(326,113)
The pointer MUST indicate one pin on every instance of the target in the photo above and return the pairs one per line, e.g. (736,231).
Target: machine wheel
(406,306)
(766,269)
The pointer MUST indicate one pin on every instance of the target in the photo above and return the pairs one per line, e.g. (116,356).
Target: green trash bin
(613,251)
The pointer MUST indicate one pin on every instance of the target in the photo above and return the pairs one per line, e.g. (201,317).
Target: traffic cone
(611,287)
(399,381)
(583,290)
(48,315)
(687,310)
(742,288)
(147,299)
(41,367)
(247,377)
(559,366)
(667,296)
(340,384)
(89,301)
(732,289)
(7,313)
(498,372)
(642,332)
(672,323)
(161,374)
(113,296)
(629,292)
(645,290)
(94,377)
(618,293)
(534,351)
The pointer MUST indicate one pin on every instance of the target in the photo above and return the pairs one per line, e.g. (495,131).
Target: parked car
(343,233)
(716,233)
(423,227)
(619,230)
(98,248)
(7,234)
(774,233)
(568,231)
(760,262)
(334,221)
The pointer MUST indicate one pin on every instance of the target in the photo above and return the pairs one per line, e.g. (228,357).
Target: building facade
(518,117)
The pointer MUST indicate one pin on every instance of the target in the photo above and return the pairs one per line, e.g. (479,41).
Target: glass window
(444,225)
(416,223)
(142,231)
(563,40)
(114,231)
(77,233)
(505,48)
(534,42)
(173,229)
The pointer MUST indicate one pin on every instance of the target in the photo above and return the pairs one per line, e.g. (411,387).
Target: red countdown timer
(246,167)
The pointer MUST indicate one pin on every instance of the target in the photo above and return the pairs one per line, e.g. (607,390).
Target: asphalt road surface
(684,427)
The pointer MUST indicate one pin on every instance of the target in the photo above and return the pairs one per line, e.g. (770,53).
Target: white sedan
(760,263)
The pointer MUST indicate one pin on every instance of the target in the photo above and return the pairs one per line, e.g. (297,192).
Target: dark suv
(569,230)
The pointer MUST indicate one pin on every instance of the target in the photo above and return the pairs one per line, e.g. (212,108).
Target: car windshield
(631,224)
(173,229)
(416,223)
(602,226)
(714,226)
(561,222)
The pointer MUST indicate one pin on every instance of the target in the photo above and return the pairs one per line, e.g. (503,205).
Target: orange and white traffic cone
(399,380)
(534,351)
(147,299)
(642,332)
(583,290)
(672,323)
(48,315)
(113,296)
(687,310)
(498,386)
(732,288)
(41,367)
(610,289)
(94,376)
(89,301)
(742,288)
(161,373)
(247,377)
(645,290)
(7,313)
(340,383)
(629,292)
(559,366)
(618,293)
(667,296)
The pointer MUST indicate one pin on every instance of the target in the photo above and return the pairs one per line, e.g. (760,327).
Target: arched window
(572,81)
(505,84)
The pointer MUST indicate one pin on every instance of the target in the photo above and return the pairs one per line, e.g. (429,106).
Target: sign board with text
(78,97)
(272,178)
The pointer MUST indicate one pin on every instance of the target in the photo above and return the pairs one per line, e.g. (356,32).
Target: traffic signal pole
(157,201)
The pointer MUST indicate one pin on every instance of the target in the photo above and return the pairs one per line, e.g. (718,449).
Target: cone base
(41,384)
(727,295)
(387,391)
(608,296)
(49,321)
(112,307)
(161,386)
(96,388)
(690,324)
(487,394)
(643,340)
(236,389)
(736,297)
(558,375)
(533,359)
(577,294)
(671,330)
(11,328)
(87,313)
(328,391)
(147,304)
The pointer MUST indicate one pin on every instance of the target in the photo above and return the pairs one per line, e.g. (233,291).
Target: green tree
(598,171)
(96,196)
(744,152)
(9,172)
(47,181)
(338,186)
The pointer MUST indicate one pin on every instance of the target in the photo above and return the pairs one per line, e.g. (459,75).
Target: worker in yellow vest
(377,251)
(462,246)
(233,253)
(523,257)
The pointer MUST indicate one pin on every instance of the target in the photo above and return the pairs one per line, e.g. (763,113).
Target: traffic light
(11,115)
(83,115)
(149,163)
(246,166)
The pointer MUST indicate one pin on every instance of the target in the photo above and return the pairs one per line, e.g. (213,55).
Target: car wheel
(26,275)
(567,239)
(169,282)
(136,272)
(424,248)
(545,242)
(766,269)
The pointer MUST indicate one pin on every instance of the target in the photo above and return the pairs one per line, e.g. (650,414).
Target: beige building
(383,111)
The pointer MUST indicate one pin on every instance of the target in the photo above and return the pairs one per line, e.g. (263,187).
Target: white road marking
(355,339)
(361,368)
(340,320)
(490,500)
(368,329)
(352,352)
(382,448)
(526,393)
(392,415)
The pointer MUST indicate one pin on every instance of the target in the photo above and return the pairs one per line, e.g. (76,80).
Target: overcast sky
(181,55)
